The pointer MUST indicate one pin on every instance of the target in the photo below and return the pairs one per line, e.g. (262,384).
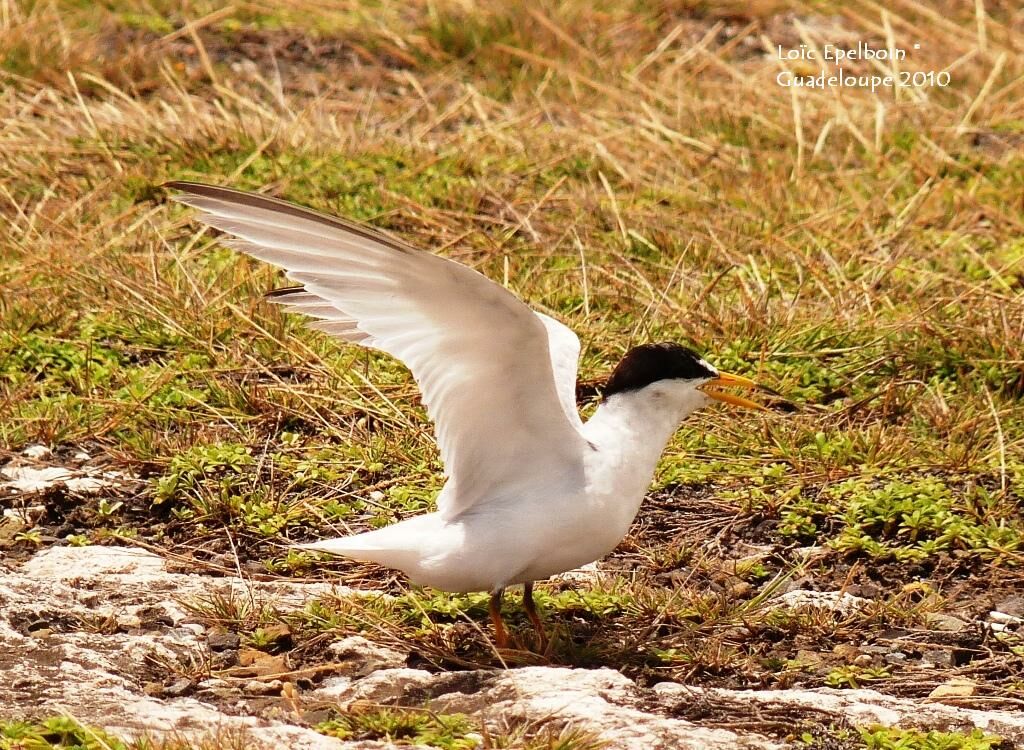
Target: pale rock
(101,677)
(93,562)
(28,515)
(1004,619)
(178,687)
(23,479)
(945,623)
(361,656)
(213,683)
(859,707)
(846,651)
(126,568)
(261,687)
(839,602)
(601,701)
(37,452)
(588,573)
(955,687)
(129,622)
(177,615)
(381,686)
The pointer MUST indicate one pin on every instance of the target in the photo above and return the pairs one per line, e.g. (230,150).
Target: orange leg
(531,611)
(500,634)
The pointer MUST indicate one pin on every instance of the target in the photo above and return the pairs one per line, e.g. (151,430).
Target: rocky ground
(122,638)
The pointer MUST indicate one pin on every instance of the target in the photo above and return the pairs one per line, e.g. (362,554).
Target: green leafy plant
(852,676)
(891,738)
(404,727)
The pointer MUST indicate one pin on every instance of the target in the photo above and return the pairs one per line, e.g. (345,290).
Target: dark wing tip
(276,205)
(191,187)
(284,292)
(185,189)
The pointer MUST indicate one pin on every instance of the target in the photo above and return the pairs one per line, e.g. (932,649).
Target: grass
(630,168)
(67,733)
(888,738)
(451,732)
(397,727)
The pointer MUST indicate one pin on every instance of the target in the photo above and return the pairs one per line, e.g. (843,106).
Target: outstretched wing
(564,348)
(480,356)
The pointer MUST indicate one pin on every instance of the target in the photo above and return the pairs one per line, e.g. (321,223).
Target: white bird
(531,489)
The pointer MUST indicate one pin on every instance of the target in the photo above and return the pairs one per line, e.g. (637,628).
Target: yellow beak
(733,381)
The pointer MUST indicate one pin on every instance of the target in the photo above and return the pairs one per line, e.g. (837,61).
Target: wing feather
(564,349)
(485,363)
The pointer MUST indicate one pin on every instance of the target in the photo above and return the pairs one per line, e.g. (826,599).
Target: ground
(635,170)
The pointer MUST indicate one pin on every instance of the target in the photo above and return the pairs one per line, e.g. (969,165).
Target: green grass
(911,739)
(423,727)
(892,738)
(403,727)
(908,519)
(66,733)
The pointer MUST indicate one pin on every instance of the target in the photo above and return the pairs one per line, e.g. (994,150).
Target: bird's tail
(345,546)
(402,545)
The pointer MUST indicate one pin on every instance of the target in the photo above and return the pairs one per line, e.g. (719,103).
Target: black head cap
(650,363)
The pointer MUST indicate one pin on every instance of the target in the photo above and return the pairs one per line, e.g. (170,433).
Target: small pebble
(278,633)
(259,687)
(221,640)
(37,452)
(741,590)
(846,651)
(319,715)
(30,514)
(129,622)
(1005,619)
(937,658)
(213,683)
(805,656)
(955,687)
(178,687)
(945,623)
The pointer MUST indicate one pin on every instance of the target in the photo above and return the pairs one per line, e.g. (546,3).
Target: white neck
(629,432)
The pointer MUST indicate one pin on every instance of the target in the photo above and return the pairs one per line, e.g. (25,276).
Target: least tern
(531,490)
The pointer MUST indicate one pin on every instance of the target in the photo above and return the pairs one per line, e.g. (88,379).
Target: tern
(531,490)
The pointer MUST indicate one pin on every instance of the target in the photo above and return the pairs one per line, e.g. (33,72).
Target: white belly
(504,547)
